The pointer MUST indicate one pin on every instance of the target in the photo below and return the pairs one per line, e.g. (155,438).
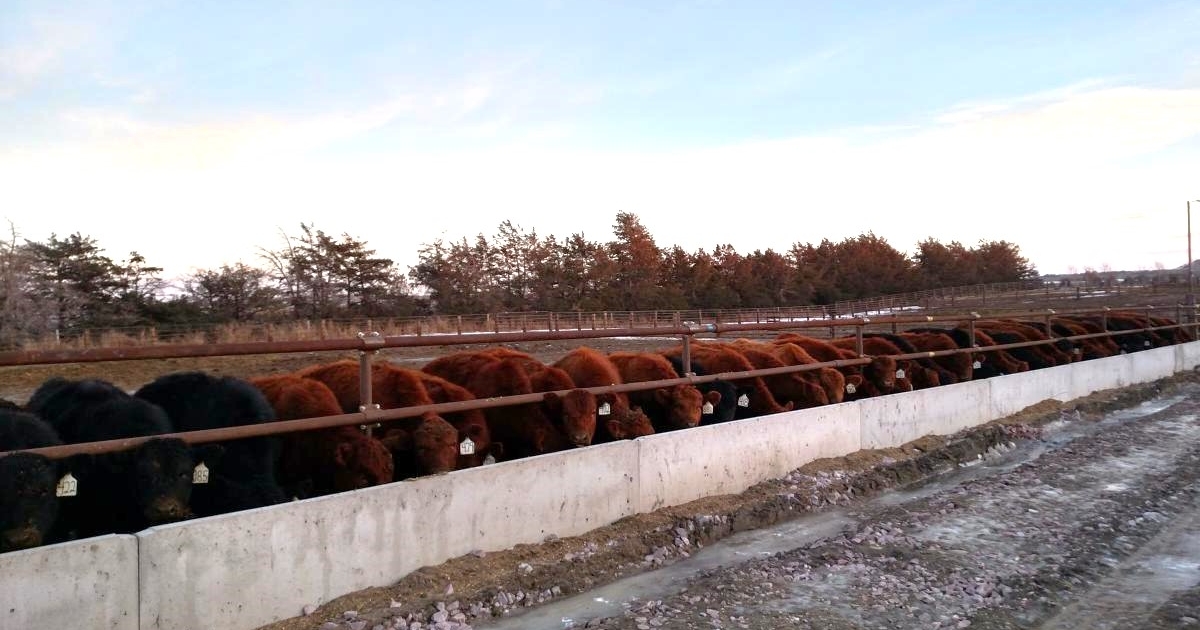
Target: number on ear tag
(977,364)
(850,388)
(200,473)
(604,409)
(707,408)
(743,401)
(67,486)
(466,447)
(899,373)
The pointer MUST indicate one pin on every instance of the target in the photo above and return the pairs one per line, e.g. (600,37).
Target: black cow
(28,505)
(124,491)
(727,408)
(195,401)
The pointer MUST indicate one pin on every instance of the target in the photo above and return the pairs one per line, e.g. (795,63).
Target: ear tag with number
(707,408)
(899,373)
(977,364)
(850,388)
(743,401)
(200,473)
(67,486)
(466,447)
(604,409)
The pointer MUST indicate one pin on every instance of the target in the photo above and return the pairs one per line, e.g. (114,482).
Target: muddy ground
(472,589)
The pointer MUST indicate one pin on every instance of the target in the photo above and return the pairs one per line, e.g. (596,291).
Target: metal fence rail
(367,345)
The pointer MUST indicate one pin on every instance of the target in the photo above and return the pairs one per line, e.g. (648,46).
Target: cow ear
(607,397)
(342,454)
(210,454)
(79,465)
(713,397)
(475,432)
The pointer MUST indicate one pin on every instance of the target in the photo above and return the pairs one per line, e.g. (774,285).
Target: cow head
(576,412)
(683,405)
(360,461)
(28,505)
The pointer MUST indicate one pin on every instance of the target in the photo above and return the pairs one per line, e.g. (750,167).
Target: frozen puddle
(605,601)
(1167,565)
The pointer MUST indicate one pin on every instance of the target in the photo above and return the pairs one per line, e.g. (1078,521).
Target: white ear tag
(67,486)
(200,473)
(604,409)
(1076,351)
(743,401)
(466,447)
(489,460)
(899,373)
(977,364)
(1146,343)
(850,388)
(707,408)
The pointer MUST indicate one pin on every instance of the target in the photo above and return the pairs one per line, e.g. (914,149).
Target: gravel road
(1095,526)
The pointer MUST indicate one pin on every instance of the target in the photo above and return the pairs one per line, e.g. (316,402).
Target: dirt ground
(479,586)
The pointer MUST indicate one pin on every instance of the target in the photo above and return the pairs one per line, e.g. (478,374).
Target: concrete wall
(250,568)
(893,420)
(83,584)
(247,569)
(682,466)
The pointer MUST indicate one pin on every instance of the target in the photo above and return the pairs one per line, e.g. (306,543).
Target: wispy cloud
(43,46)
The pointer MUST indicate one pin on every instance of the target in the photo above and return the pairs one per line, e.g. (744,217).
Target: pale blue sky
(194,131)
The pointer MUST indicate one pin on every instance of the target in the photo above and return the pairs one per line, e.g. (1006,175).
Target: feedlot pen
(233,565)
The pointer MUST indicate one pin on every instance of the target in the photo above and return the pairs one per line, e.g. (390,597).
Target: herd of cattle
(166,479)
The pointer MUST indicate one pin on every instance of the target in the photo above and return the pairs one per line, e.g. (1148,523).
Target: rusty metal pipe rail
(369,342)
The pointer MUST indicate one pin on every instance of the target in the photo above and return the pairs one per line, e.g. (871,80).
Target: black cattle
(28,505)
(246,476)
(725,410)
(124,491)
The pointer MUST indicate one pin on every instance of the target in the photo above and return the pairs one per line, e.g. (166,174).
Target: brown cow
(873,379)
(419,445)
(616,419)
(471,424)
(392,386)
(574,412)
(832,380)
(716,358)
(804,389)
(524,429)
(323,461)
(669,408)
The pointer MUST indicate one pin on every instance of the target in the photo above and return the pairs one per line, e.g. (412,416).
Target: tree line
(66,285)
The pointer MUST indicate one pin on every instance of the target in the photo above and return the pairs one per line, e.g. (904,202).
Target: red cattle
(395,387)
(616,419)
(524,429)
(804,389)
(873,379)
(669,408)
(574,412)
(960,366)
(325,460)
(717,358)
(471,424)
(832,380)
